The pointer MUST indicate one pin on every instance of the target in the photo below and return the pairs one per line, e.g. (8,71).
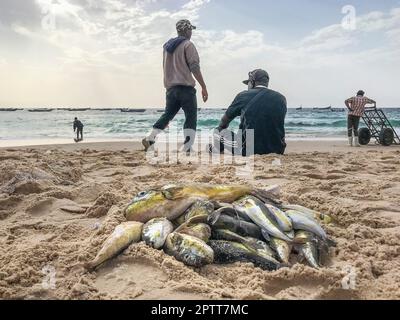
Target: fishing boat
(299,108)
(338,110)
(323,109)
(40,110)
(133,110)
(78,109)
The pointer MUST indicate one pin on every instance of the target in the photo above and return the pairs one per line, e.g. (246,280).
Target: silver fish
(301,222)
(156,231)
(259,214)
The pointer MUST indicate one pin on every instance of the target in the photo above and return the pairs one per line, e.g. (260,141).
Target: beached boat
(134,110)
(40,110)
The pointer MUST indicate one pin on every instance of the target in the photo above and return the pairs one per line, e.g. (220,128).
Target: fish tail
(331,242)
(266,197)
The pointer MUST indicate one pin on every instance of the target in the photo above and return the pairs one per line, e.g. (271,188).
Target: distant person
(181,61)
(78,128)
(356,106)
(260,109)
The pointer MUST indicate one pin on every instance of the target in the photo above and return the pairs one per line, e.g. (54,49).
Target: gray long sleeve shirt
(179,65)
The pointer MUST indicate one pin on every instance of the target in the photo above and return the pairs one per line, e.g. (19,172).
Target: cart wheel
(386,137)
(364,136)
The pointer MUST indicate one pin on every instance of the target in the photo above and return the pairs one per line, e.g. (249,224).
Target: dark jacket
(78,125)
(264,111)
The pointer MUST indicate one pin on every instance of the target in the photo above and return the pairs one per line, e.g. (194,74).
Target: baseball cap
(183,25)
(258,75)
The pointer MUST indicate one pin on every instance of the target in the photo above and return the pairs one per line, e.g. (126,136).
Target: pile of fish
(205,224)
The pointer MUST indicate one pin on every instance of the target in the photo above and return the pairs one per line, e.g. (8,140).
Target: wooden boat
(338,110)
(133,110)
(78,110)
(323,109)
(9,109)
(40,110)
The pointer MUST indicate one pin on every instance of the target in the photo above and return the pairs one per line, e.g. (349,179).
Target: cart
(378,127)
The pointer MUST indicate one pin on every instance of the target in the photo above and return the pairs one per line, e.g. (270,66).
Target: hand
(204,94)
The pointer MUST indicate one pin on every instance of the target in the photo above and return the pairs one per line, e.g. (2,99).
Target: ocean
(114,124)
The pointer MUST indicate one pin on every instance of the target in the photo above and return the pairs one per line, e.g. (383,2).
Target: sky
(108,53)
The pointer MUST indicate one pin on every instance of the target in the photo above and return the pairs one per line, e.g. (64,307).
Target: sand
(59,203)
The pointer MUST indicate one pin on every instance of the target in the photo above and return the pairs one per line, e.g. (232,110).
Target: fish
(230,252)
(222,221)
(301,222)
(173,200)
(282,248)
(201,231)
(156,231)
(154,204)
(321,217)
(309,248)
(189,250)
(260,247)
(199,208)
(123,236)
(258,213)
(280,217)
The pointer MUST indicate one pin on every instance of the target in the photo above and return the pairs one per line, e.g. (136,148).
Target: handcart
(378,127)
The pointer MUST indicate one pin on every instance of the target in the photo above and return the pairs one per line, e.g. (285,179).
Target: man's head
(76,118)
(184,28)
(257,77)
(360,93)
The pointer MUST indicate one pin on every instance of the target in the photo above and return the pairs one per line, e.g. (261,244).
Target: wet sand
(58,203)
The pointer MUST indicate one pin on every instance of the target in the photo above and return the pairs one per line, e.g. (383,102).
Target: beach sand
(58,204)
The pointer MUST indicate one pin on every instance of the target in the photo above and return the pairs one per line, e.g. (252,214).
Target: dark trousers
(353,122)
(79,132)
(181,97)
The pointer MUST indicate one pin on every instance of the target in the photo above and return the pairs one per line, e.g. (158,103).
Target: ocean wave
(334,124)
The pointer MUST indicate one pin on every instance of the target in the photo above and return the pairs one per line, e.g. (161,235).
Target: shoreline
(294,146)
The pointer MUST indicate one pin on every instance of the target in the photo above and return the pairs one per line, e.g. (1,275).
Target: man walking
(356,106)
(181,64)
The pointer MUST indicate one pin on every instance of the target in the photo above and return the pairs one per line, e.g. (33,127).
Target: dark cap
(184,25)
(259,76)
(360,93)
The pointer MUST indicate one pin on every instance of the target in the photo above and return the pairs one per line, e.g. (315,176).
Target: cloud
(120,42)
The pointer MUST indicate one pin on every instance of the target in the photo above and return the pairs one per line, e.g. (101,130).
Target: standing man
(260,109)
(181,64)
(78,128)
(356,106)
